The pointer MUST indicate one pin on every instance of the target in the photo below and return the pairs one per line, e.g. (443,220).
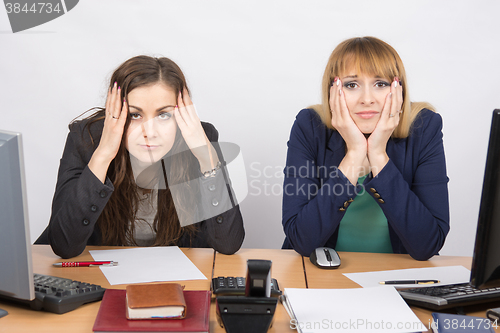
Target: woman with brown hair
(365,170)
(143,171)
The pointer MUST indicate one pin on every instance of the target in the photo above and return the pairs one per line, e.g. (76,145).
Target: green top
(364,226)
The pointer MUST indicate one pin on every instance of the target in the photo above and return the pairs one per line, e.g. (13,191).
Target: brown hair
(116,221)
(371,56)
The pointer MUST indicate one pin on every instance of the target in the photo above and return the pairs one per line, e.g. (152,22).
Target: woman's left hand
(190,125)
(389,120)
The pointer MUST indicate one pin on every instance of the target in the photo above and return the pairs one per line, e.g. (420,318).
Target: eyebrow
(355,76)
(157,110)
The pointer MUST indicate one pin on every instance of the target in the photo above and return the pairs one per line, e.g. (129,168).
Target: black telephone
(235,286)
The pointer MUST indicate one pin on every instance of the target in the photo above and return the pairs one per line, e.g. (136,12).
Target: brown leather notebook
(155,301)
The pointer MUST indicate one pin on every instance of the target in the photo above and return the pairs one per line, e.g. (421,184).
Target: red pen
(85,263)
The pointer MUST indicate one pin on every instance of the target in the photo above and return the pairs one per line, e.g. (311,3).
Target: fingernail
(338,82)
(390,94)
(395,83)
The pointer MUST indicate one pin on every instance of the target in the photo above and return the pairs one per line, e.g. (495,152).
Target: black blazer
(80,197)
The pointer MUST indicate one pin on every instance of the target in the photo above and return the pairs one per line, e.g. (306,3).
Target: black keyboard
(59,295)
(235,286)
(449,296)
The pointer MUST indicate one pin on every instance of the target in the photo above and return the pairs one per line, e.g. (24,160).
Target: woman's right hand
(354,160)
(112,133)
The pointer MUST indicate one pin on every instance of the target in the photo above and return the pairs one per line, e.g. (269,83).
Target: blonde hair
(371,56)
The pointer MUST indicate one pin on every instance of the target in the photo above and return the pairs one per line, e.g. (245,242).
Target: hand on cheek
(353,163)
(389,120)
(193,133)
(112,132)
(343,122)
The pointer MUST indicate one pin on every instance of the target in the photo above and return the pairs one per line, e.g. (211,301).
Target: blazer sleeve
(224,232)
(417,210)
(312,207)
(79,197)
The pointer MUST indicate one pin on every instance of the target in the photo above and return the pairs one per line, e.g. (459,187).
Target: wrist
(377,162)
(99,166)
(206,173)
(353,168)
(356,153)
(102,157)
(207,158)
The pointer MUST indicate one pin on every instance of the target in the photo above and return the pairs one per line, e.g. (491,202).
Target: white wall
(251,67)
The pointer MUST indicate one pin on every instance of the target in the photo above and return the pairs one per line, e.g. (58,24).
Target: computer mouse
(325,257)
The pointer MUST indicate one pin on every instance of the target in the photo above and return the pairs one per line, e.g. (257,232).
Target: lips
(367,114)
(149,147)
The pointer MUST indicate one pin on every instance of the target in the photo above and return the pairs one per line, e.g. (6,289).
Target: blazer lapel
(335,151)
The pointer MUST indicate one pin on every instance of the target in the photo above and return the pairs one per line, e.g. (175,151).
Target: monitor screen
(485,271)
(16,275)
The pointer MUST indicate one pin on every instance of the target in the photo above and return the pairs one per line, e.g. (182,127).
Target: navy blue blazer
(412,189)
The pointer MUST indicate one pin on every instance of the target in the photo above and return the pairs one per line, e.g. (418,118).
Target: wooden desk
(368,262)
(21,319)
(288,268)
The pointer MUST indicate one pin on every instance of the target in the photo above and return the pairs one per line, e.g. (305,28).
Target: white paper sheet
(445,274)
(351,310)
(147,264)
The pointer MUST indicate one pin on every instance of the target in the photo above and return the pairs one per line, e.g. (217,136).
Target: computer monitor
(16,275)
(485,272)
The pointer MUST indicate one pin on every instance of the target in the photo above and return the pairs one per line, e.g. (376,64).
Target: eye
(350,85)
(165,116)
(135,116)
(382,84)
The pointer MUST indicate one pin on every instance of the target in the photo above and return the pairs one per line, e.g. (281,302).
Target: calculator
(235,286)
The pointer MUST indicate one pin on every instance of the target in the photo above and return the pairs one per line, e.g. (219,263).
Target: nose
(367,97)
(149,128)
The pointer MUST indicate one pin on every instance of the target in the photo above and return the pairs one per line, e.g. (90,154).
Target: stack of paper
(350,310)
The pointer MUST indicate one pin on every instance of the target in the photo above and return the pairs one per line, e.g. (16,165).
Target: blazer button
(103,194)
(93,208)
(219,219)
(376,195)
(215,203)
(373,190)
(346,204)
(211,187)
(350,200)
(381,200)
(85,222)
(342,209)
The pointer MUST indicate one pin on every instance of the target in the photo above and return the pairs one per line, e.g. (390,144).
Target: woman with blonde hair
(365,169)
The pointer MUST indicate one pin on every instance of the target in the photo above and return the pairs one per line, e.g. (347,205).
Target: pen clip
(112,263)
